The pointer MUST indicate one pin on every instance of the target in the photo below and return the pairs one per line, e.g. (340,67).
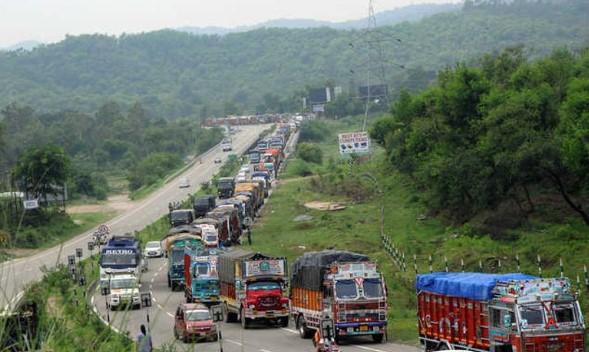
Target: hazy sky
(50,20)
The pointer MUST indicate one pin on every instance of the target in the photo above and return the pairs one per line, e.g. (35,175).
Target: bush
(314,131)
(152,168)
(310,153)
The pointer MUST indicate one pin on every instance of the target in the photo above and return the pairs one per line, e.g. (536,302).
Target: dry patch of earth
(117,203)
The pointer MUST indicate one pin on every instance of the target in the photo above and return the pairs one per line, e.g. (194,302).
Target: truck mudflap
(266,314)
(361,328)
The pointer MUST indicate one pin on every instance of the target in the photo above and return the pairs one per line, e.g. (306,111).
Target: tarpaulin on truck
(476,286)
(308,269)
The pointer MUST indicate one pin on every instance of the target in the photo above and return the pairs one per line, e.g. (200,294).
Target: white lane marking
(152,279)
(153,297)
(233,342)
(170,314)
(92,300)
(367,348)
(263,350)
(290,330)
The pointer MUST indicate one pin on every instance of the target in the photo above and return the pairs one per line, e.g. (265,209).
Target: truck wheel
(176,333)
(378,338)
(284,322)
(304,332)
(229,316)
(244,321)
(169,282)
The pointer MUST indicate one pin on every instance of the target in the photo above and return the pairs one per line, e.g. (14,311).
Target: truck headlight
(251,306)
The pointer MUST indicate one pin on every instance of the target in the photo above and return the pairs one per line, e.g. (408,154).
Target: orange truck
(255,189)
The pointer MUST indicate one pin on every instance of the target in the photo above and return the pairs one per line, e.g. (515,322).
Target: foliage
(486,135)
(42,171)
(314,131)
(152,168)
(180,75)
(310,153)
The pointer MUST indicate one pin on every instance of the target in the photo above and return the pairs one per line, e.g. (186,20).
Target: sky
(50,20)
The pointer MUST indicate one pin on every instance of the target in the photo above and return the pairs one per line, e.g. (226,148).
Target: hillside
(177,74)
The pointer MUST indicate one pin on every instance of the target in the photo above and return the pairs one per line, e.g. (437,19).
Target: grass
(357,229)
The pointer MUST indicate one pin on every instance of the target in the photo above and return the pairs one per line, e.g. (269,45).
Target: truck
(255,190)
(202,205)
(200,275)
(123,291)
(253,287)
(225,187)
(181,217)
(121,254)
(230,215)
(175,242)
(345,286)
(498,313)
(254,156)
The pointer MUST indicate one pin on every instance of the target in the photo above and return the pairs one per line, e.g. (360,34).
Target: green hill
(177,74)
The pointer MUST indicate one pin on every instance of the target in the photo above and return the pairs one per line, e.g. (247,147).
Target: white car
(245,169)
(184,182)
(218,160)
(241,178)
(153,249)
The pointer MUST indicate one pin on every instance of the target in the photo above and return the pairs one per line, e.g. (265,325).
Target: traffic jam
(327,296)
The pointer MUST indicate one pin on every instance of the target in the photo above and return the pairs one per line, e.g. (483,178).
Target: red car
(193,322)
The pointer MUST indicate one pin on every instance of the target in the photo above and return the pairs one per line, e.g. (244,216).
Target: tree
(310,152)
(42,171)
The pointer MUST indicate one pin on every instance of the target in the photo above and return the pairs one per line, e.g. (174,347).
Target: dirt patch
(325,206)
(20,252)
(118,203)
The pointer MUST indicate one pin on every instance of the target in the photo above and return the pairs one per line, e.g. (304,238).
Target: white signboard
(319,108)
(264,267)
(31,204)
(354,143)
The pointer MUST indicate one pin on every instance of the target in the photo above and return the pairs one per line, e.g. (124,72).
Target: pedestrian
(249,236)
(144,343)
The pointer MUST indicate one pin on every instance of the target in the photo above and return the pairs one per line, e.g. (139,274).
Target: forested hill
(176,74)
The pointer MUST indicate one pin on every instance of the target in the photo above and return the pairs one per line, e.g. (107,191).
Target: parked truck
(253,287)
(175,242)
(498,313)
(181,217)
(347,287)
(121,254)
(225,187)
(255,190)
(200,275)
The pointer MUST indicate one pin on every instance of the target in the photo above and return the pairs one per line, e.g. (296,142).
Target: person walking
(144,343)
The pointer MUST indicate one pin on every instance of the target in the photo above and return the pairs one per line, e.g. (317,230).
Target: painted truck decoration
(499,313)
(342,286)
(200,276)
(253,287)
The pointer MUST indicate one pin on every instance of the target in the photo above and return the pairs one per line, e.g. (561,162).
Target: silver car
(153,249)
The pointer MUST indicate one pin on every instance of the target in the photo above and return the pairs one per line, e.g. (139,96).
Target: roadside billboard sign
(354,143)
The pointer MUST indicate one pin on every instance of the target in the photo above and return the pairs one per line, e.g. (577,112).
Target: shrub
(314,131)
(310,153)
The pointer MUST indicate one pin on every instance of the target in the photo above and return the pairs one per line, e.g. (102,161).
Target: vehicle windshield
(531,315)
(211,238)
(201,269)
(198,315)
(181,216)
(263,285)
(372,288)
(564,313)
(346,289)
(118,259)
(122,283)
(152,245)
(178,257)
(207,285)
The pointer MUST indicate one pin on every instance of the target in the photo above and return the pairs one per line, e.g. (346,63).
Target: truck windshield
(372,288)
(564,313)
(202,269)
(211,238)
(346,289)
(207,285)
(178,257)
(122,283)
(531,315)
(263,285)
(180,216)
(118,259)
(197,315)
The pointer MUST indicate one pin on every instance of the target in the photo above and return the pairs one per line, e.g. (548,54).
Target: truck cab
(122,254)
(202,281)
(181,217)
(123,291)
(203,204)
(225,187)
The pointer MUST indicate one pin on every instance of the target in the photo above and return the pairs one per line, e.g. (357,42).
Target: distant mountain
(25,45)
(410,13)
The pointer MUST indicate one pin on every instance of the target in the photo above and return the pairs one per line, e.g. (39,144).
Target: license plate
(269,314)
(363,328)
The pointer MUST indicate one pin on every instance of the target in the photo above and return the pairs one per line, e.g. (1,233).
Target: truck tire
(169,281)
(378,338)
(304,331)
(284,322)
(245,323)
(229,316)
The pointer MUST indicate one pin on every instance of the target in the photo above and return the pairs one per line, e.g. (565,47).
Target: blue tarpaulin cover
(476,286)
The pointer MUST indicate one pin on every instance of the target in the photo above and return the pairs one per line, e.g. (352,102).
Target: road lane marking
(290,330)
(170,314)
(263,350)
(233,342)
(367,348)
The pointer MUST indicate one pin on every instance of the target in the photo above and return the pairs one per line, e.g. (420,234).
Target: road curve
(17,273)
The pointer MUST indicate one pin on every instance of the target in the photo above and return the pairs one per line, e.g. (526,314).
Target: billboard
(354,143)
(264,267)
(374,91)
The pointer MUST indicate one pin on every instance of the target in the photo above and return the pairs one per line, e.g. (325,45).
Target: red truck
(345,286)
(253,287)
(498,313)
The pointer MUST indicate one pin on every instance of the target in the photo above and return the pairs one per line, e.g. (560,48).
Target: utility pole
(371,27)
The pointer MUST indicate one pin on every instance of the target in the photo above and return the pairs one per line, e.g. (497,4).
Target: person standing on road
(249,235)
(144,343)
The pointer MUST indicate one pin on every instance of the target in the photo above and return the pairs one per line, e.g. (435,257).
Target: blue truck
(121,254)
(174,243)
(202,280)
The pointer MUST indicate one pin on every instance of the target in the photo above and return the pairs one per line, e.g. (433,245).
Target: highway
(16,274)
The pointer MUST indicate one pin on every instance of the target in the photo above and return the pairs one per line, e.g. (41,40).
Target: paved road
(259,339)
(16,274)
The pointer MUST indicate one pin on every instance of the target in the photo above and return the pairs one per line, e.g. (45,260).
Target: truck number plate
(363,328)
